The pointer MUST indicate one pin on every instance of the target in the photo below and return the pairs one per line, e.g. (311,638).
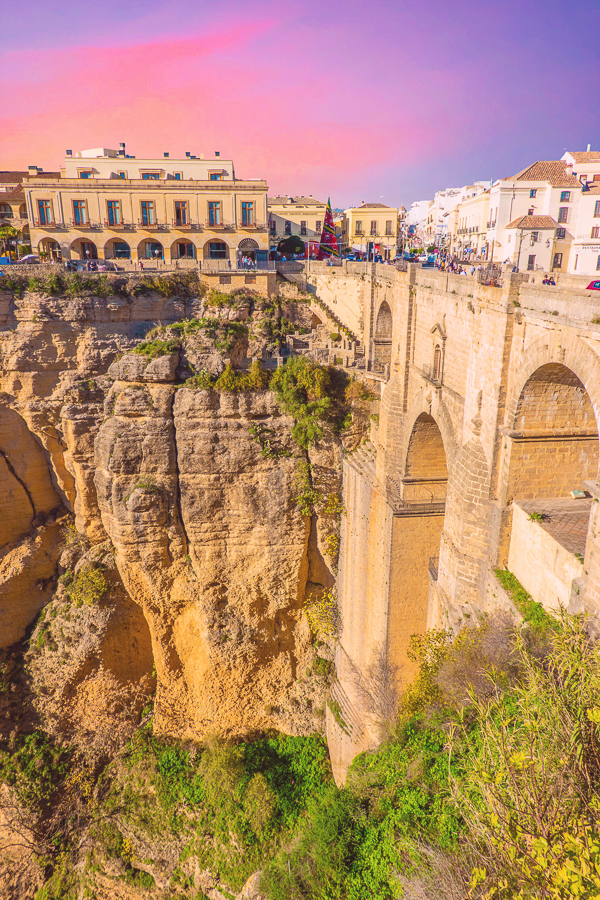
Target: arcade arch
(183,249)
(150,249)
(83,249)
(50,249)
(117,248)
(215,249)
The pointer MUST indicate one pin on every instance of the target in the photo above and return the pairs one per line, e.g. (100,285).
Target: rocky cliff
(117,457)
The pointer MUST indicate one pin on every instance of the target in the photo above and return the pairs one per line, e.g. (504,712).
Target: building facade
(372,227)
(300,216)
(105,204)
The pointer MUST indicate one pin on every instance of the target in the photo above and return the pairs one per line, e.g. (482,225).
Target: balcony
(255,226)
(118,226)
(432,375)
(48,225)
(85,226)
(220,226)
(152,226)
(186,226)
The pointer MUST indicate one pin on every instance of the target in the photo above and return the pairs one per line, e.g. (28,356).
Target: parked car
(31,259)
(593,286)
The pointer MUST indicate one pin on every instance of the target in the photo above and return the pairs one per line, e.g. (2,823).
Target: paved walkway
(565,520)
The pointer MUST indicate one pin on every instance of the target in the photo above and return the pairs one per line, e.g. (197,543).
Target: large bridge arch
(417,527)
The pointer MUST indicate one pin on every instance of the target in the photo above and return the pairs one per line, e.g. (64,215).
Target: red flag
(328,245)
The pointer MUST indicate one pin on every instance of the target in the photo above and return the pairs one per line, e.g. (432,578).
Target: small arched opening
(382,342)
(216,250)
(182,249)
(117,249)
(49,249)
(246,251)
(83,249)
(6,211)
(150,249)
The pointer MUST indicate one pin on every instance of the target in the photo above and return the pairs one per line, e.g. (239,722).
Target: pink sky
(387,101)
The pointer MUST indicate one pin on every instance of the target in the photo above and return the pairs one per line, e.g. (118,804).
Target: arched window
(5,211)
(437,363)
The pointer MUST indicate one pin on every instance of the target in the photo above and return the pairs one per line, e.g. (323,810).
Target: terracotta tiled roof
(13,194)
(17,177)
(374,206)
(585,155)
(540,222)
(552,171)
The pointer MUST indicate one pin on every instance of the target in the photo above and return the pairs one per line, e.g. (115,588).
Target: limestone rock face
(212,558)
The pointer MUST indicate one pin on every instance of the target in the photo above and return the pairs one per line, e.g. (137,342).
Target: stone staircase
(363,460)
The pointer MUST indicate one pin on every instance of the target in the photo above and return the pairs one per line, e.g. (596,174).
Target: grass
(533,612)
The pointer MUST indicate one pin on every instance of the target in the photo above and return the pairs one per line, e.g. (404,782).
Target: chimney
(188,154)
(32,170)
(217,152)
(122,149)
(166,155)
(69,153)
(589,148)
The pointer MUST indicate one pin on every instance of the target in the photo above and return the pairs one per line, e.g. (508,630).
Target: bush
(301,390)
(154,349)
(88,587)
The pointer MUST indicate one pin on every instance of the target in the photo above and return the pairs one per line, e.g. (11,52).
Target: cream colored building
(107,204)
(585,249)
(300,216)
(371,227)
(527,220)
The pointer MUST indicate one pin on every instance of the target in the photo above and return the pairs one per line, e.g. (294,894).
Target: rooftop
(585,155)
(553,171)
(540,222)
(301,201)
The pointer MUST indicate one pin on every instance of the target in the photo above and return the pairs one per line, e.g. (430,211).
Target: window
(88,250)
(45,212)
(530,211)
(288,227)
(557,261)
(114,212)
(597,209)
(302,226)
(5,211)
(150,176)
(437,363)
(122,174)
(561,233)
(185,251)
(533,193)
(181,212)
(214,216)
(215,176)
(373,226)
(563,214)
(595,231)
(217,250)
(388,226)
(318,226)
(565,196)
(358,229)
(535,236)
(177,176)
(80,212)
(247,213)
(148,212)
(273,225)
(530,263)
(121,250)
(224,279)
(85,174)
(250,279)
(598,265)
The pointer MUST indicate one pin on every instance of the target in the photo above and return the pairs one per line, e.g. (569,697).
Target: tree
(9,235)
(291,245)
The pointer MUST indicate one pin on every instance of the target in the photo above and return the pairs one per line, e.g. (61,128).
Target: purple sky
(382,101)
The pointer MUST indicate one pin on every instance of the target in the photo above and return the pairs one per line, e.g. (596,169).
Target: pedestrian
(141,266)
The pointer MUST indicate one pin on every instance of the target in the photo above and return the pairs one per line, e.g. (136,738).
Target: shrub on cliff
(301,390)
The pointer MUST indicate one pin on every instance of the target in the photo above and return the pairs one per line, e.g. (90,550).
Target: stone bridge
(490,411)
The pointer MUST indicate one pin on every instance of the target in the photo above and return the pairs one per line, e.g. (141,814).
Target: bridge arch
(382,338)
(384,322)
(416,535)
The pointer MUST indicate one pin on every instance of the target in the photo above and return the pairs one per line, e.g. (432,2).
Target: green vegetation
(488,787)
(154,349)
(88,587)
(323,614)
(301,389)
(533,613)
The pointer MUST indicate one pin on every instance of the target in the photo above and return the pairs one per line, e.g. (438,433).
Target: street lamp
(522,233)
